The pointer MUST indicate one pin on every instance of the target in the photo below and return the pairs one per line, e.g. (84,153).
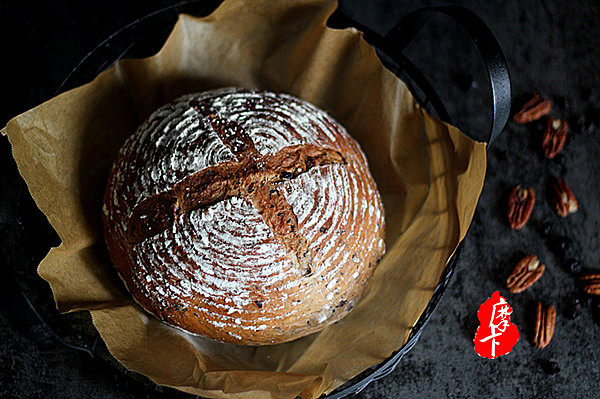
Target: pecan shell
(555,136)
(543,324)
(533,110)
(564,199)
(520,205)
(590,283)
(528,271)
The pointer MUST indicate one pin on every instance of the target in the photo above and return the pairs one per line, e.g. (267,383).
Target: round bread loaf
(248,217)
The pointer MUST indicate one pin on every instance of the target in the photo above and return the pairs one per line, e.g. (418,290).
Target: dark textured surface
(551,47)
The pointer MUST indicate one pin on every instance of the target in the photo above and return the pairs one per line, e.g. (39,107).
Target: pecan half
(543,324)
(555,136)
(590,283)
(564,199)
(520,205)
(528,271)
(533,110)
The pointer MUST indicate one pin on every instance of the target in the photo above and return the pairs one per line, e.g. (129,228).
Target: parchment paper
(429,173)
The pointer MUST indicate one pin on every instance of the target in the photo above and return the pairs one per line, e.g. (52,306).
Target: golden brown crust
(246,217)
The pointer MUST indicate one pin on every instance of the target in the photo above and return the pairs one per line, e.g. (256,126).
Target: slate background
(552,47)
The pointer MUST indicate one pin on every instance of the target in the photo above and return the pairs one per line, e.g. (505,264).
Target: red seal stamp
(496,335)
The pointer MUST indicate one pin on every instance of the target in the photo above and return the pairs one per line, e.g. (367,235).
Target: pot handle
(393,44)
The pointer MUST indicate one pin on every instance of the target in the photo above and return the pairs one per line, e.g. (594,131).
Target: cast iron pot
(144,37)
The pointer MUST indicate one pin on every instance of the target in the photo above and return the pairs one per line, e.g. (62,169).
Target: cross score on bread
(243,216)
(252,175)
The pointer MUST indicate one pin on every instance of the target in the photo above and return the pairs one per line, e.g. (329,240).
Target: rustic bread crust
(248,217)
